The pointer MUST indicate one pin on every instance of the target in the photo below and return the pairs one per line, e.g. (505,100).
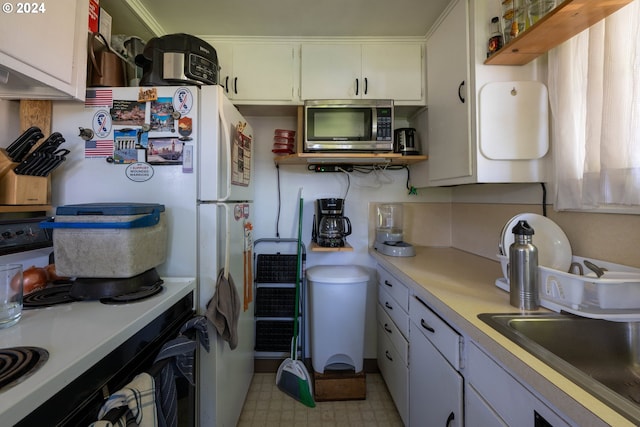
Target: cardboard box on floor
(339,385)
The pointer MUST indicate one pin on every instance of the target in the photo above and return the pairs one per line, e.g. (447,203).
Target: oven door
(78,403)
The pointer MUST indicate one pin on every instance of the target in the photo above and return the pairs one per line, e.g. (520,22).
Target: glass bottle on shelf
(495,40)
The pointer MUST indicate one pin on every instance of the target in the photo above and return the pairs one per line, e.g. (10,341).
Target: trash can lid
(337,274)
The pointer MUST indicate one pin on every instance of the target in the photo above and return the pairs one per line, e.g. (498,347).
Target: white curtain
(594,86)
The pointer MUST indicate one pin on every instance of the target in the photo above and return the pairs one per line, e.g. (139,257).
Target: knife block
(21,189)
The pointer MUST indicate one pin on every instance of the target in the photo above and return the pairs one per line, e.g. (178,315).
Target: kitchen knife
(41,164)
(51,144)
(23,149)
(24,136)
(27,166)
(52,162)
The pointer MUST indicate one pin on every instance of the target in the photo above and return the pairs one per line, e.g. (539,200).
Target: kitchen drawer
(395,374)
(392,332)
(394,310)
(508,397)
(443,336)
(394,287)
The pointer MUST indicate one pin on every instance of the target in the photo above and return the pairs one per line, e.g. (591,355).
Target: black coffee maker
(330,226)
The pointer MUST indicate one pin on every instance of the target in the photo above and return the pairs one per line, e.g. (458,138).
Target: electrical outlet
(333,168)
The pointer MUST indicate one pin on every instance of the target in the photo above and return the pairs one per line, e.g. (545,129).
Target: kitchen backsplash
(476,228)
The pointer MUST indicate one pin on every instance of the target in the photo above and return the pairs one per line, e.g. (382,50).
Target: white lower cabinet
(435,385)
(420,356)
(393,364)
(392,333)
(477,412)
(509,401)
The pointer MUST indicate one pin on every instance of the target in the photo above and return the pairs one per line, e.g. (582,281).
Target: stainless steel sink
(602,357)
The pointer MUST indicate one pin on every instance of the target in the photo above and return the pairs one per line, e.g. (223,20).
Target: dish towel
(139,396)
(181,352)
(223,310)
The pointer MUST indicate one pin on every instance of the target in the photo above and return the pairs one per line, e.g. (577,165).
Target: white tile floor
(267,406)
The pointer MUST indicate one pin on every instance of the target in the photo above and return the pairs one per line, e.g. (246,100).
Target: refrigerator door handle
(227,143)
(227,237)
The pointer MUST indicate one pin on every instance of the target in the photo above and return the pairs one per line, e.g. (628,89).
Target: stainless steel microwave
(348,125)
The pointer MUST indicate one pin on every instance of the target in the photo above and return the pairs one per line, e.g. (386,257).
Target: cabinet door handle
(386,304)
(450,418)
(357,86)
(426,326)
(235,85)
(226,84)
(386,353)
(366,85)
(386,328)
(389,284)
(460,93)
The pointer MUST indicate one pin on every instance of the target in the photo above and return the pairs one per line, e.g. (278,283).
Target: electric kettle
(406,141)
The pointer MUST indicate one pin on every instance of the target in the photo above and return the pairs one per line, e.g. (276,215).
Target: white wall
(9,122)
(363,190)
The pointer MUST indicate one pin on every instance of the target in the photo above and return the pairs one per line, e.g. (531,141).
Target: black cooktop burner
(18,363)
(108,291)
(46,297)
(142,293)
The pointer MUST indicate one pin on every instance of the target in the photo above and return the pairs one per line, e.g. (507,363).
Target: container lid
(522,228)
(337,274)
(109,209)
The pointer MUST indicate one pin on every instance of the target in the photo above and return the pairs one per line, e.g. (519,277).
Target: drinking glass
(10,294)
(536,9)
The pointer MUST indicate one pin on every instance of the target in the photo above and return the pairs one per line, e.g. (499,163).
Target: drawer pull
(386,304)
(450,418)
(426,326)
(386,328)
(386,353)
(389,284)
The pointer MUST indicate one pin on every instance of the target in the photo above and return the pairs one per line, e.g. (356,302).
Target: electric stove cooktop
(76,336)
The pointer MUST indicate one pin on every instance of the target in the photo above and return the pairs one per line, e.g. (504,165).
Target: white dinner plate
(554,249)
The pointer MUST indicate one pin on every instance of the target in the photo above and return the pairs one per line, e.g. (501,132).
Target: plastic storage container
(337,299)
(108,240)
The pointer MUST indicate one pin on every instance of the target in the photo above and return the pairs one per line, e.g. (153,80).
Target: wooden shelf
(350,158)
(24,208)
(565,21)
(314,247)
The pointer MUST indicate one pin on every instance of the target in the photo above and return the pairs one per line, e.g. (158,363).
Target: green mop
(292,376)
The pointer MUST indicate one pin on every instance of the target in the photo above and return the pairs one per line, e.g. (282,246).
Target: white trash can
(337,304)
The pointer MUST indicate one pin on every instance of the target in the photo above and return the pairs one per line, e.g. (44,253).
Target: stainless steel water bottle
(523,262)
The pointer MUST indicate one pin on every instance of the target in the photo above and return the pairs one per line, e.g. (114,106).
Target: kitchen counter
(459,286)
(77,336)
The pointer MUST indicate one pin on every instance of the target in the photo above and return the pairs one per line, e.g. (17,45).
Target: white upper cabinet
(486,124)
(448,97)
(363,71)
(43,50)
(257,71)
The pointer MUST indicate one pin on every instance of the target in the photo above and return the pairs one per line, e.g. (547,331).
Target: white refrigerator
(189,149)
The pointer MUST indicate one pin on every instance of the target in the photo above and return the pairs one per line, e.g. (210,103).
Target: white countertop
(76,335)
(459,286)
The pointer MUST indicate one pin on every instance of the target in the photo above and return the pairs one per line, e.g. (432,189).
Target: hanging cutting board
(514,120)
